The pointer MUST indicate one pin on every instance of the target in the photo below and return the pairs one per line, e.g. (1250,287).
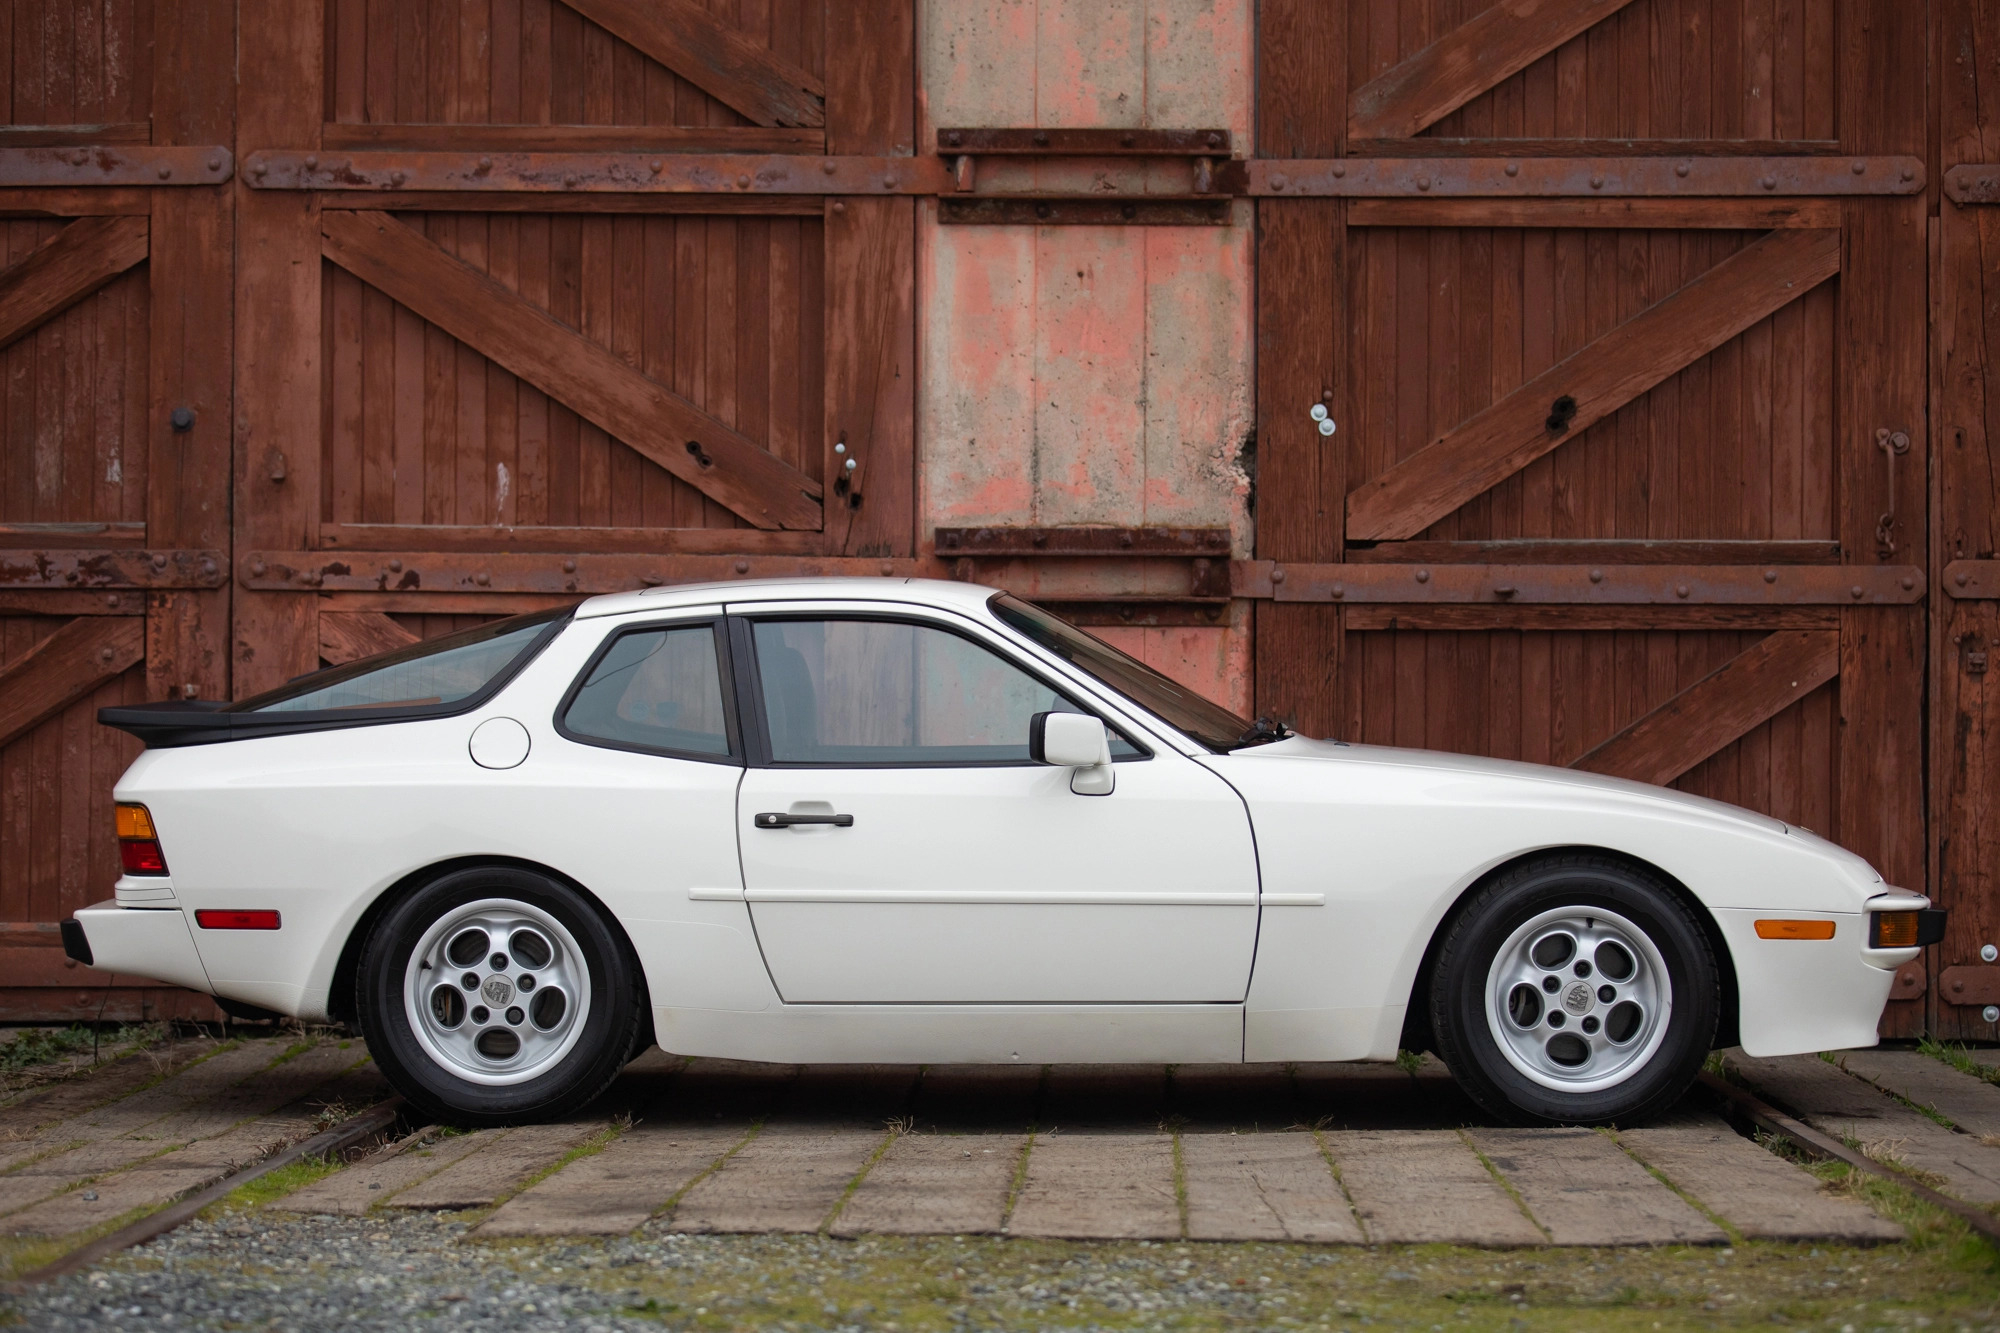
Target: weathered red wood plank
(1591,383)
(348,636)
(481,313)
(1749,689)
(536,138)
(69,664)
(715,57)
(870,342)
(1468,60)
(64,269)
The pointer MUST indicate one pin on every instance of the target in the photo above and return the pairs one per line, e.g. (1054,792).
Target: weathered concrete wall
(1078,375)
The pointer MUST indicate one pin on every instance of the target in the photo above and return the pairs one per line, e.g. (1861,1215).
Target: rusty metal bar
(526,572)
(586,173)
(1044,211)
(740,174)
(1761,1113)
(1009,542)
(1516,585)
(123,568)
(1972,580)
(1973,183)
(116,164)
(1969,984)
(1583,177)
(1033,142)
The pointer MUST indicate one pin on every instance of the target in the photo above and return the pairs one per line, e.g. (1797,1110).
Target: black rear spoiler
(175,721)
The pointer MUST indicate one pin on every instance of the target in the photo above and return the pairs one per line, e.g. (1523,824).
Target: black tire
(608,1031)
(1476,1045)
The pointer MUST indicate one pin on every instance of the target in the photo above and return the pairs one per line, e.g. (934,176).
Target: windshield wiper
(1262,732)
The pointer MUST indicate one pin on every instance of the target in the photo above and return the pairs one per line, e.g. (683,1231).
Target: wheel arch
(341,1000)
(1417,1035)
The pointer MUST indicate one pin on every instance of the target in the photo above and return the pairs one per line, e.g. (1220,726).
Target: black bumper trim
(75,943)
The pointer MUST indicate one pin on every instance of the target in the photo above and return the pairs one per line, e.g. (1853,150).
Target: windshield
(1210,723)
(435,673)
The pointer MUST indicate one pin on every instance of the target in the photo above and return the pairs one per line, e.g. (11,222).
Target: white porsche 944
(828,820)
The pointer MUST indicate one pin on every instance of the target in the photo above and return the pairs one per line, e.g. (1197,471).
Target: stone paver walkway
(1324,1154)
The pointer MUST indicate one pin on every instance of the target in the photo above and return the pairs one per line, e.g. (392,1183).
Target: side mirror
(1075,741)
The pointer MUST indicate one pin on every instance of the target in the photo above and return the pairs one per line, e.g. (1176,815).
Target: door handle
(786,821)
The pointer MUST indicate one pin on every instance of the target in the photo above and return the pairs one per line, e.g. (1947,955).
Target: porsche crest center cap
(499,990)
(1576,999)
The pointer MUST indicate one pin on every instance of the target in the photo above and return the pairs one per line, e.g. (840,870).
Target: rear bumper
(136,942)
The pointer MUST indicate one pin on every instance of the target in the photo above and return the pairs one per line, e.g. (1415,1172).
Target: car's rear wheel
(496,995)
(1575,989)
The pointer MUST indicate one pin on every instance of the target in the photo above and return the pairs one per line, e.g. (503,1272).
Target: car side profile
(890,820)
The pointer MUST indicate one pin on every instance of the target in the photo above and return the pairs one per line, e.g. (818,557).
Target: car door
(941,865)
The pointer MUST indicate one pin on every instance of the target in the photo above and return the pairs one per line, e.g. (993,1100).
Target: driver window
(871,692)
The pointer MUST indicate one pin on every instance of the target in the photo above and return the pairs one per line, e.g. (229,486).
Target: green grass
(275,1185)
(41,1046)
(1956,1055)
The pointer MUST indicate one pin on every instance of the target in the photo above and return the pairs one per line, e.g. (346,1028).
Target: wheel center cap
(499,990)
(1576,998)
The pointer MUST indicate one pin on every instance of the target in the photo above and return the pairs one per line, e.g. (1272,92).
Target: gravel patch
(269,1270)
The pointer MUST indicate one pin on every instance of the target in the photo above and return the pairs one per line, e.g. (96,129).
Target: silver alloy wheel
(497,991)
(1578,999)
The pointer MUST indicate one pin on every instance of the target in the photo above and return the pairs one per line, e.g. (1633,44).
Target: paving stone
(959,1096)
(1970,1103)
(501,1163)
(383,1174)
(1098,1187)
(1586,1191)
(1263,1187)
(21,1119)
(934,1185)
(1120,1095)
(1425,1186)
(1253,1097)
(1846,1107)
(615,1191)
(1756,1191)
(190,1087)
(788,1178)
(261,1093)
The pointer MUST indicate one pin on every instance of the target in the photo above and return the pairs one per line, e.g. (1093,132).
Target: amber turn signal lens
(1778,929)
(209,918)
(1896,930)
(134,822)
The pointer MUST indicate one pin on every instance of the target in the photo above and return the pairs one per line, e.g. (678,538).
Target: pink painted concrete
(1090,375)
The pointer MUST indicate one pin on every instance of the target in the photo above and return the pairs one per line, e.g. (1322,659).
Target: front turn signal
(1779,928)
(138,844)
(1906,930)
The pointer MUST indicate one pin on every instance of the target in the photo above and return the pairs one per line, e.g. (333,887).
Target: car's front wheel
(496,995)
(1575,989)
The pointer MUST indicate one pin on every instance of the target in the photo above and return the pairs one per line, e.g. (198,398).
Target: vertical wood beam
(1884,48)
(277,477)
(871,77)
(1301,486)
(871,377)
(1965,708)
(191,270)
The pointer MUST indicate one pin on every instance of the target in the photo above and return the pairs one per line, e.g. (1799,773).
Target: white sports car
(887,820)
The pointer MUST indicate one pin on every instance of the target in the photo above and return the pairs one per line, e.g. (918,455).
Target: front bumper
(136,942)
(1804,995)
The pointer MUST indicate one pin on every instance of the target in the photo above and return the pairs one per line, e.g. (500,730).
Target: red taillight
(138,844)
(142,857)
(211,918)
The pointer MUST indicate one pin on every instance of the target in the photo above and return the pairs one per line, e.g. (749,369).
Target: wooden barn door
(1622,343)
(115,261)
(512,331)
